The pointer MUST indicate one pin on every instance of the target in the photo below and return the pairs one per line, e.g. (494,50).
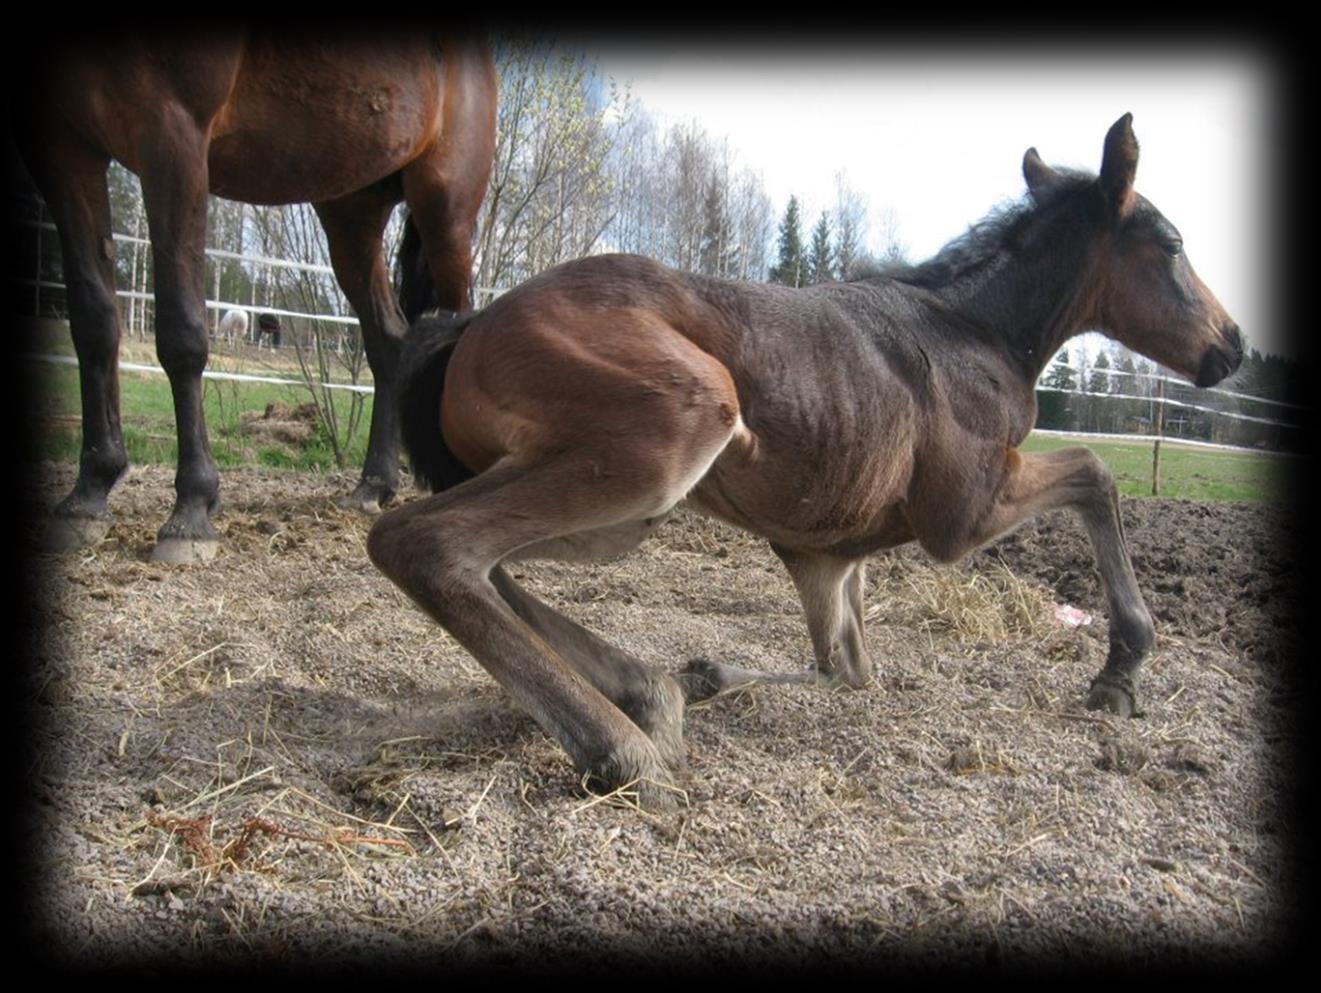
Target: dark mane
(984,241)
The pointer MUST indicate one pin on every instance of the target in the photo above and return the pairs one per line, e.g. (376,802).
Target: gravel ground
(277,758)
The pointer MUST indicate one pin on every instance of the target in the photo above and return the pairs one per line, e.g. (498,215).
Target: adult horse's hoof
(65,534)
(185,551)
(1112,696)
(368,497)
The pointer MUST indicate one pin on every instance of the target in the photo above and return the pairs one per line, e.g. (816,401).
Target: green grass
(147,414)
(1186,471)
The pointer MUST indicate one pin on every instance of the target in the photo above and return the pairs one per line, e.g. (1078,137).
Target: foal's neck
(1032,300)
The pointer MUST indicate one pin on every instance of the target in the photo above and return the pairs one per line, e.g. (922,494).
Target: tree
(820,257)
(1053,402)
(549,197)
(850,228)
(1098,382)
(893,249)
(718,252)
(790,268)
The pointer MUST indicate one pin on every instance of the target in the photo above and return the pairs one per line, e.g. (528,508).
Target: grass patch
(148,420)
(1186,472)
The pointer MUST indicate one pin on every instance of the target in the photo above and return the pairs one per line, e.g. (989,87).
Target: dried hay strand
(982,606)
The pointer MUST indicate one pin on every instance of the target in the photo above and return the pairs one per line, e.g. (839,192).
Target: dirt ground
(278,758)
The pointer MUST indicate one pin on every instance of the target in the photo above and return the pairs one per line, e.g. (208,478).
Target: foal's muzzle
(1222,358)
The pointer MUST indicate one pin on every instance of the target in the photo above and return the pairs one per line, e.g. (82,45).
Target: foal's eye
(1172,248)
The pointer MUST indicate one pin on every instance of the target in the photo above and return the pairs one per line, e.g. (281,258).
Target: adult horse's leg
(1071,477)
(174,192)
(442,551)
(354,225)
(830,589)
(445,185)
(76,195)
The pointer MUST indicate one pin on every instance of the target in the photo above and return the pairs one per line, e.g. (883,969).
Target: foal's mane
(998,232)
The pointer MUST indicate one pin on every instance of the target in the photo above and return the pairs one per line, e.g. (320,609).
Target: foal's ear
(1119,165)
(1039,176)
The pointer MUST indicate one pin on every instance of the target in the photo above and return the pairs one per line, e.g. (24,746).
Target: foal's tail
(417,290)
(421,380)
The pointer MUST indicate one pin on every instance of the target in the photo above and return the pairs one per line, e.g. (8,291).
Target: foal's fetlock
(1115,687)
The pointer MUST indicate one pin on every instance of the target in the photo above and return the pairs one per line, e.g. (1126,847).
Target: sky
(939,136)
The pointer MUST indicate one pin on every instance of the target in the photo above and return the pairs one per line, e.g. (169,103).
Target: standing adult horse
(573,414)
(352,125)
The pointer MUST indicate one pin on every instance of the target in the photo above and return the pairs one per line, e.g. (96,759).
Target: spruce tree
(820,259)
(791,265)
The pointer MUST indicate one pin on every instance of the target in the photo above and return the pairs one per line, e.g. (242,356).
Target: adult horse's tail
(421,380)
(417,291)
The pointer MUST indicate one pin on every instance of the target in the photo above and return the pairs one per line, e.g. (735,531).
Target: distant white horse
(233,326)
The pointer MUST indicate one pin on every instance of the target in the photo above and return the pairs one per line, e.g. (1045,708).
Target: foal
(570,417)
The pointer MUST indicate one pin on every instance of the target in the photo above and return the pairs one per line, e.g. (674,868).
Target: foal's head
(1144,292)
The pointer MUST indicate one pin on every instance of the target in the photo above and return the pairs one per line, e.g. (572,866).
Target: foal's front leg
(1074,477)
(830,589)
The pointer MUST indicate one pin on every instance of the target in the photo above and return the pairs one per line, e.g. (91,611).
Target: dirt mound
(278,756)
(293,426)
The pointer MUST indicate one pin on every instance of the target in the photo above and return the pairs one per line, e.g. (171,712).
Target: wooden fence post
(1160,429)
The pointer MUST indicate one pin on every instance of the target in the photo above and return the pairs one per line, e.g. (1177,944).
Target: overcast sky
(939,136)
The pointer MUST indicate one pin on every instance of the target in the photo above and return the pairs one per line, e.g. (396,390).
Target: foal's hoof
(185,551)
(701,680)
(69,533)
(640,780)
(1113,696)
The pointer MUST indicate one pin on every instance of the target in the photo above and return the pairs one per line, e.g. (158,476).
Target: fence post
(1160,429)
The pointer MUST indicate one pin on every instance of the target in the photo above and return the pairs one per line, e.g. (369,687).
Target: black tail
(417,291)
(421,380)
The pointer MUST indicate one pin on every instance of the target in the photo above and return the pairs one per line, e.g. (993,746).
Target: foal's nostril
(1233,338)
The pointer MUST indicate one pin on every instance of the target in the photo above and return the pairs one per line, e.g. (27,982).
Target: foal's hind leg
(1073,477)
(830,589)
(651,699)
(442,551)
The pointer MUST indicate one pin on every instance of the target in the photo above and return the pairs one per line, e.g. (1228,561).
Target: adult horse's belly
(314,121)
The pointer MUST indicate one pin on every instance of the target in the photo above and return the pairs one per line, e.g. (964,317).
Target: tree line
(1114,391)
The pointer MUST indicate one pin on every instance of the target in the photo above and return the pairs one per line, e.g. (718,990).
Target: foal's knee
(419,556)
